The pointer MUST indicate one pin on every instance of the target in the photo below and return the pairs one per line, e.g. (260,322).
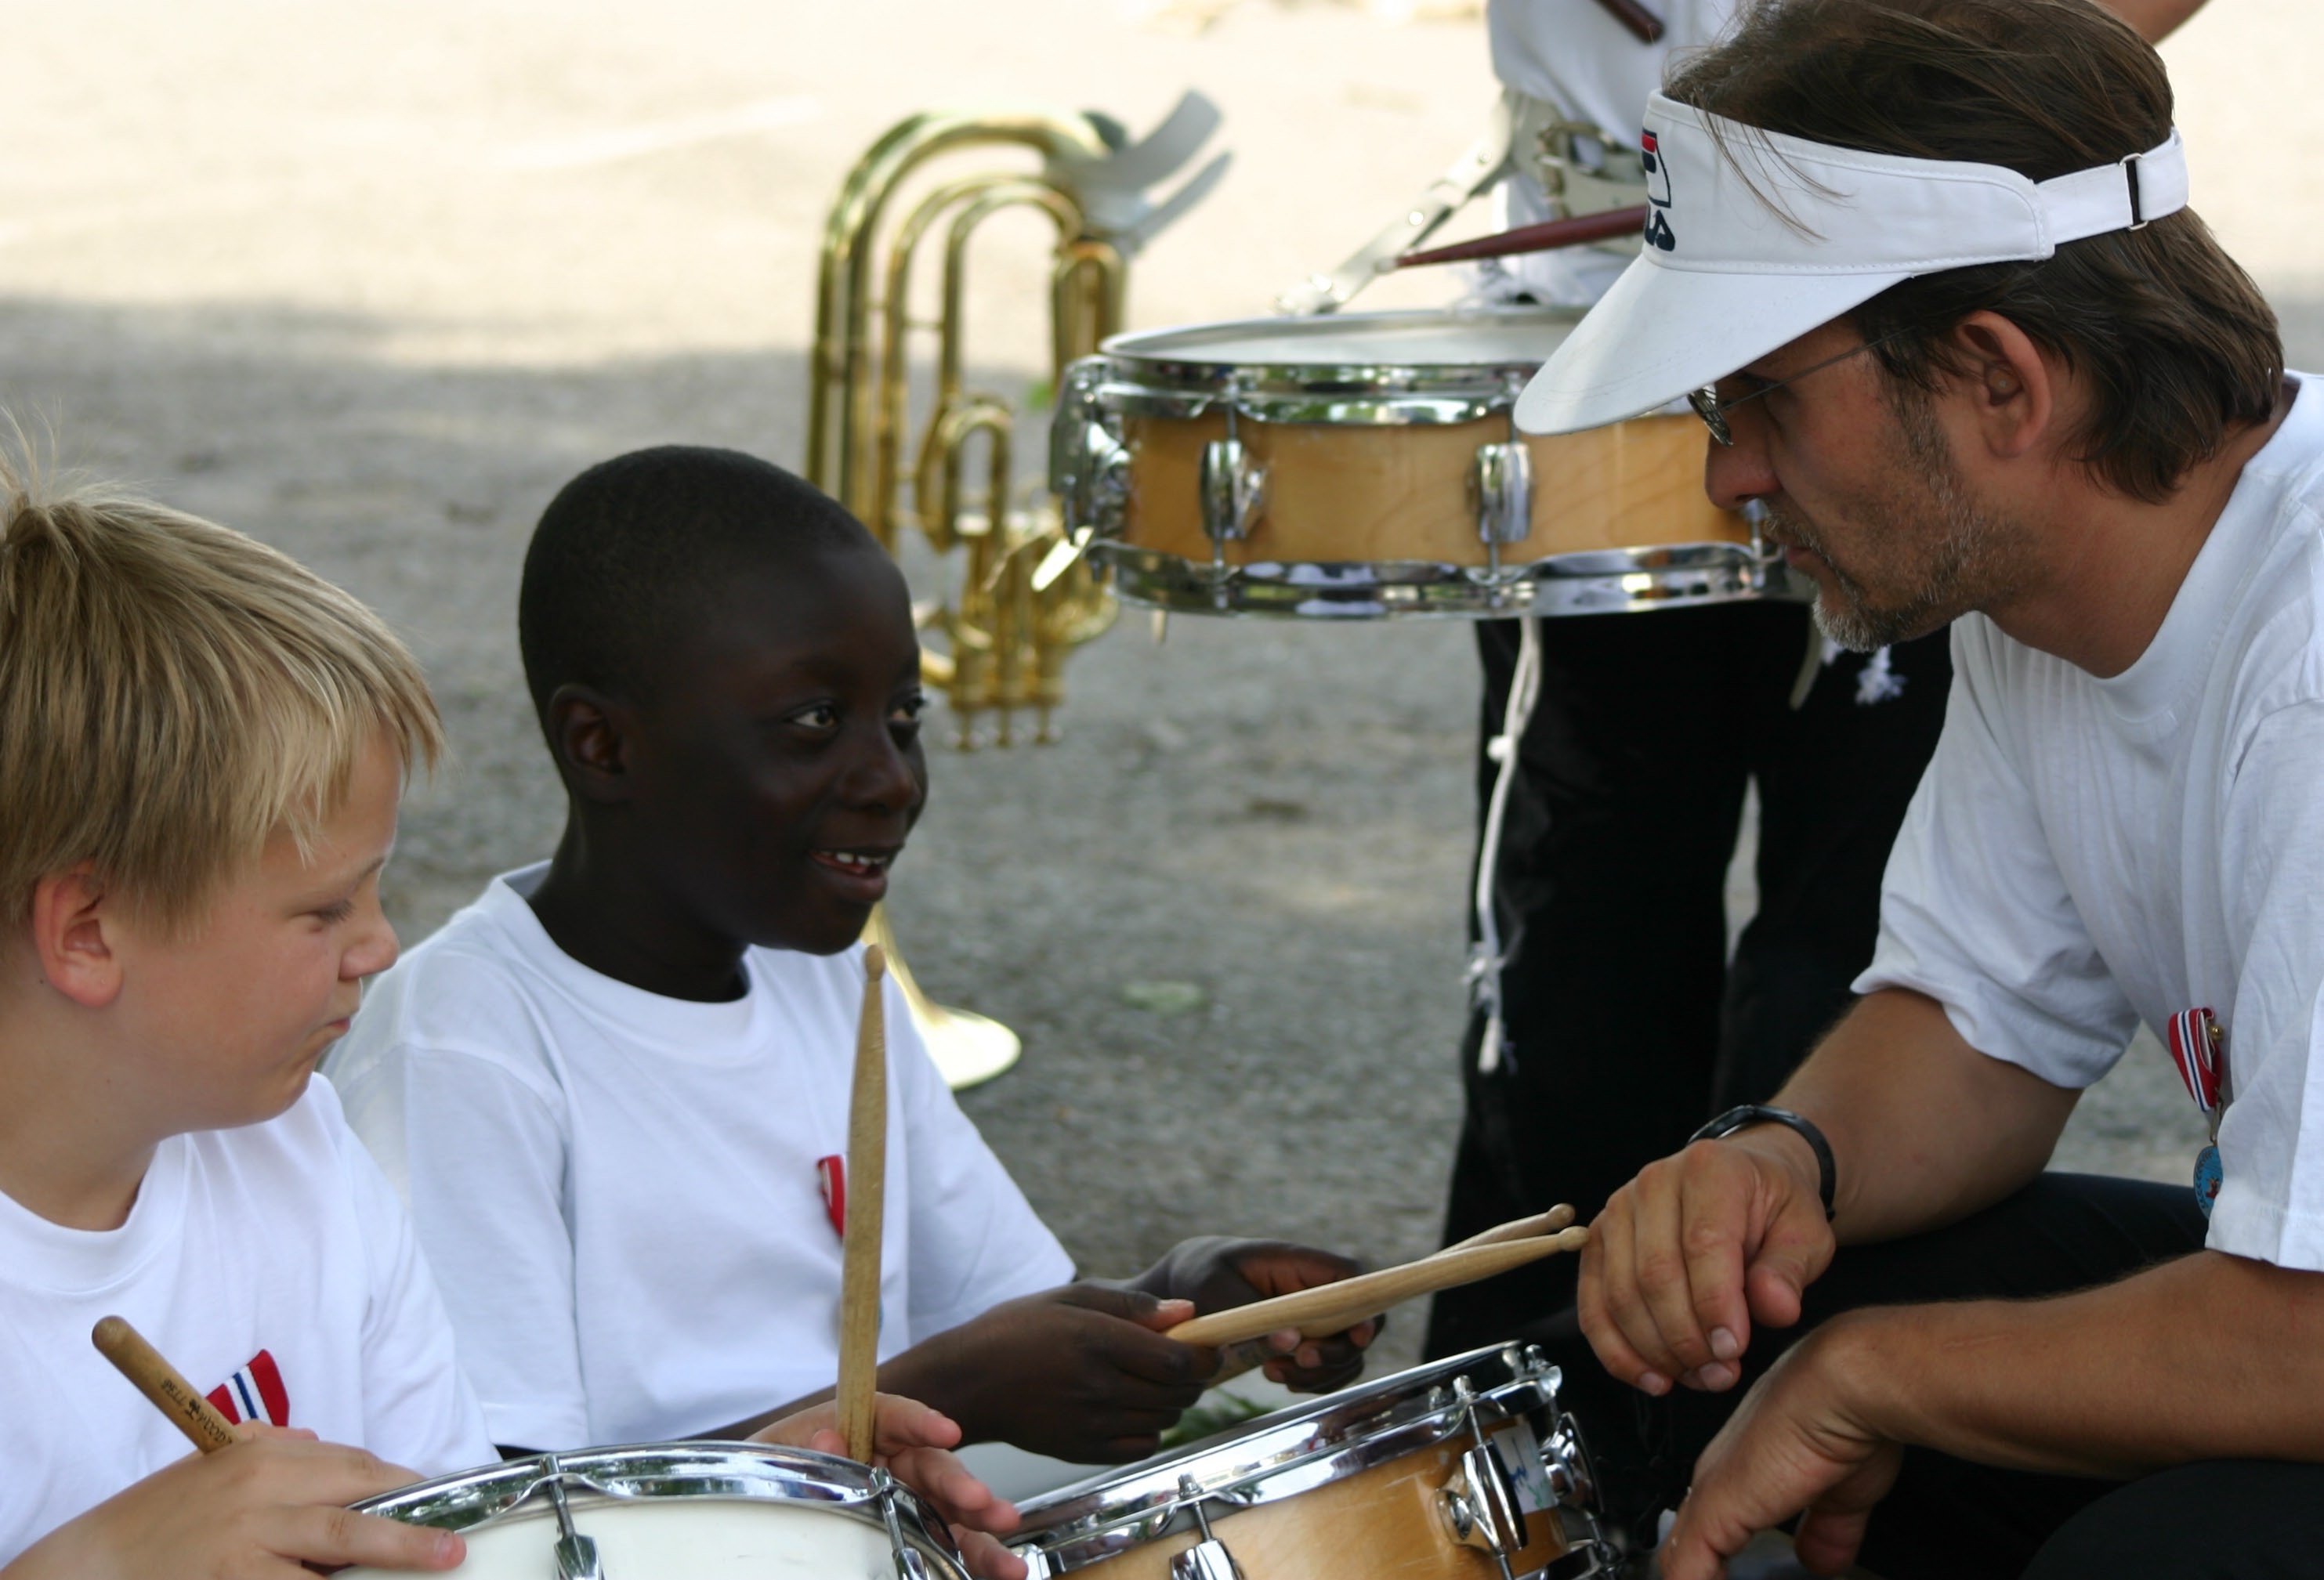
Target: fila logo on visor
(1658,194)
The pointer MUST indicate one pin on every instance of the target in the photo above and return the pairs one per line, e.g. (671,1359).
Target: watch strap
(1750,1113)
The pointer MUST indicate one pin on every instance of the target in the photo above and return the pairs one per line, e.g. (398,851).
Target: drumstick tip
(108,1334)
(875,961)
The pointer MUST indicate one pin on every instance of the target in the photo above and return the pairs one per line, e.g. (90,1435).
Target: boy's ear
(73,927)
(585,730)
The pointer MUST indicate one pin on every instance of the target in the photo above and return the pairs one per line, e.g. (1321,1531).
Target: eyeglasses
(1713,411)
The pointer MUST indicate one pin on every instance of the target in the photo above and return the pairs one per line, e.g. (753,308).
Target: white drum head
(1481,337)
(677,1511)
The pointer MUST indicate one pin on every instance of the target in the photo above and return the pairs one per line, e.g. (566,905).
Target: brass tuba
(1024,600)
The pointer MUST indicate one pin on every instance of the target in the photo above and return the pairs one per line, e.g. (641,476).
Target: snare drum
(680,1511)
(1368,465)
(1462,1470)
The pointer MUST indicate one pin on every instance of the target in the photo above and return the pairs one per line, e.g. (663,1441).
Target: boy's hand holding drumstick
(265,1501)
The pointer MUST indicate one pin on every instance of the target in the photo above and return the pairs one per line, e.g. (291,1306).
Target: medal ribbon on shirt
(2198,1048)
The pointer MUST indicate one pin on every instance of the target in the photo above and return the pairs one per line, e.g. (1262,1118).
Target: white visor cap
(1723,279)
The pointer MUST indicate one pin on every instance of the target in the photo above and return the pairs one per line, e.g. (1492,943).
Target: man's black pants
(1947,1520)
(1629,1028)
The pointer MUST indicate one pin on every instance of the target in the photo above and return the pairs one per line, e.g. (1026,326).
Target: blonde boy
(201,750)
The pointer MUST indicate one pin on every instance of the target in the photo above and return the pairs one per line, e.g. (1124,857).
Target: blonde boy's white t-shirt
(273,1262)
(2086,854)
(618,1192)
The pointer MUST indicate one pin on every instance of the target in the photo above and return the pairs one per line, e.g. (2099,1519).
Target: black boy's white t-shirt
(2086,854)
(619,1190)
(271,1264)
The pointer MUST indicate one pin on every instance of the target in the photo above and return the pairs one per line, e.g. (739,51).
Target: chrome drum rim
(1303,1447)
(1601,582)
(757,1473)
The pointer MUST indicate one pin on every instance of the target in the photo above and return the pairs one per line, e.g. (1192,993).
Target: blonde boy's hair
(172,694)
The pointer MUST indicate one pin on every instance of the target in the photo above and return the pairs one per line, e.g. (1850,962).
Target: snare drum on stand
(680,1511)
(1460,1470)
(1368,466)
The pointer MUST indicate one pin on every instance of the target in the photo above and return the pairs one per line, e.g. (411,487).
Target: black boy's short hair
(630,552)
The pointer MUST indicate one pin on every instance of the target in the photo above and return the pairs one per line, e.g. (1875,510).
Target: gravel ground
(371,281)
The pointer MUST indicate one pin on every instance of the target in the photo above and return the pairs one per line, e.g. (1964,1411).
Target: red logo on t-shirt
(831,1175)
(254,1393)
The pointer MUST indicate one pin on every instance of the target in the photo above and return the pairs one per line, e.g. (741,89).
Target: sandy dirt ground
(371,281)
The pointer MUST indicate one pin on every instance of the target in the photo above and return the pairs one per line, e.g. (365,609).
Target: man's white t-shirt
(2086,854)
(618,1191)
(1576,56)
(270,1262)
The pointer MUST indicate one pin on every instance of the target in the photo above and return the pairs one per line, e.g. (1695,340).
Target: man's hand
(262,1508)
(1080,1372)
(912,1442)
(1688,1255)
(1797,1444)
(1216,1272)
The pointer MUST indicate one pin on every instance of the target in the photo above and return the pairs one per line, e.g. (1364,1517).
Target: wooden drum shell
(1344,493)
(1393,1514)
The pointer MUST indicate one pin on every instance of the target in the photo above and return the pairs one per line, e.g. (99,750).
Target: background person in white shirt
(611,1085)
(1628,1023)
(1982,364)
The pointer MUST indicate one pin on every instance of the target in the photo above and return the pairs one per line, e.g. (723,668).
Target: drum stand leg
(1486,956)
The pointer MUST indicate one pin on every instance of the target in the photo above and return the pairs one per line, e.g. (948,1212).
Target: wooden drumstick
(1644,25)
(1524,1228)
(1334,1308)
(162,1383)
(1542,237)
(867,1169)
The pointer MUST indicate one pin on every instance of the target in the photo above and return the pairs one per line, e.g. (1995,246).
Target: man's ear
(74,936)
(589,732)
(2011,388)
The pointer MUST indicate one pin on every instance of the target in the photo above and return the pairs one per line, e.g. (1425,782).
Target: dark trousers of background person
(1948,1520)
(1628,1027)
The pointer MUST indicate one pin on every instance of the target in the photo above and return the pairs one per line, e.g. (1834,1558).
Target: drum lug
(1500,485)
(1089,465)
(1207,1559)
(576,1555)
(1479,1507)
(1571,1477)
(1233,490)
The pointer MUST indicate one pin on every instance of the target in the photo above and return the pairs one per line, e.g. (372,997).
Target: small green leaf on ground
(1164,998)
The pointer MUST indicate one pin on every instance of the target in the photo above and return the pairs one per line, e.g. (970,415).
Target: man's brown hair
(172,694)
(2176,344)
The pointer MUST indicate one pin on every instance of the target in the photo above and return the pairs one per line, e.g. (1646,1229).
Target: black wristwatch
(1751,1114)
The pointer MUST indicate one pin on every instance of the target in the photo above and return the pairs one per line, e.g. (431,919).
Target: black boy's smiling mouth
(858,863)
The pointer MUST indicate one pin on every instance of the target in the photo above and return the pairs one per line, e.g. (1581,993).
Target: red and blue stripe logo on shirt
(254,1393)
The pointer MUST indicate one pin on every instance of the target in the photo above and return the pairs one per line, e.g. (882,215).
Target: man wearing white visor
(1926,270)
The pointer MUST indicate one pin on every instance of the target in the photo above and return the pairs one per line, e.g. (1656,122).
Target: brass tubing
(936,484)
(839,406)
(883,515)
